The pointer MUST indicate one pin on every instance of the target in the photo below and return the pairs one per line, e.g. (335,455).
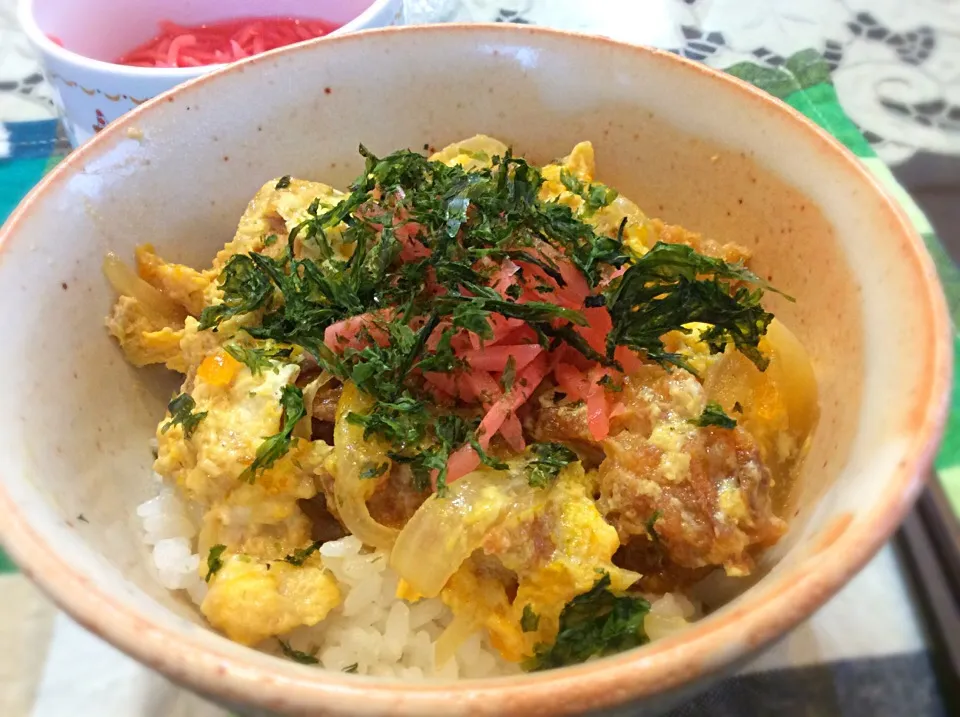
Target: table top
(896,67)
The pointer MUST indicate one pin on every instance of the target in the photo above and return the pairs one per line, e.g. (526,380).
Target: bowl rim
(220,670)
(40,40)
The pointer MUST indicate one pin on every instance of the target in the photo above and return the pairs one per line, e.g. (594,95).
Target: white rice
(381,634)
(170,528)
(372,629)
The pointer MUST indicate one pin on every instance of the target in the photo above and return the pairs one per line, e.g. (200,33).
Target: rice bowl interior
(465,378)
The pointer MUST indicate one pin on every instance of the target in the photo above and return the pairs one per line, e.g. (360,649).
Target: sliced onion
(780,406)
(454,635)
(792,370)
(354,454)
(304,428)
(789,384)
(125,282)
(445,531)
(658,627)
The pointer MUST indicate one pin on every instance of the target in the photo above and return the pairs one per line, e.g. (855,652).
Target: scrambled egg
(241,409)
(557,550)
(149,337)
(250,600)
(255,594)
(146,338)
(580,166)
(273,212)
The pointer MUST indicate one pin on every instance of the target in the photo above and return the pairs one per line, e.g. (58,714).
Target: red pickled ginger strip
(181,46)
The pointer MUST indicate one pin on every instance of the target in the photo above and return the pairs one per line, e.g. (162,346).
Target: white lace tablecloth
(896,62)
(897,71)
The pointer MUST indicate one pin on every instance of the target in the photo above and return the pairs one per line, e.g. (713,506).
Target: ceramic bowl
(689,144)
(90,90)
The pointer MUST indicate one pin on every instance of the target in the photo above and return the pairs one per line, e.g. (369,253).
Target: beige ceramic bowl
(689,144)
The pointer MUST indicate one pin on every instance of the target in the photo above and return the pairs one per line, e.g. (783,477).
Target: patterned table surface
(896,64)
(896,67)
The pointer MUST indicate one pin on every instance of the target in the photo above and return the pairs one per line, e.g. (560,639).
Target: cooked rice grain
(373,629)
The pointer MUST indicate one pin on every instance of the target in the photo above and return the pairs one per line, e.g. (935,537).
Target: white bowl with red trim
(91,89)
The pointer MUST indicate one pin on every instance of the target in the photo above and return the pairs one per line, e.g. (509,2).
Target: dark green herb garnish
(270,240)
(449,432)
(486,458)
(737,408)
(283,182)
(478,155)
(277,445)
(258,358)
(549,459)
(671,286)
(652,526)
(529,621)
(412,254)
(470,312)
(351,669)
(509,374)
(302,657)
(403,422)
(571,183)
(300,555)
(598,197)
(181,413)
(375,471)
(245,289)
(713,415)
(214,561)
(607,382)
(595,196)
(597,622)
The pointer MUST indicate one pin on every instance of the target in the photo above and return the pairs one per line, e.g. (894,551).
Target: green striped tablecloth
(6,565)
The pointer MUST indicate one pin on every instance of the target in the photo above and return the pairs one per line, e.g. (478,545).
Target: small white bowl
(91,90)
